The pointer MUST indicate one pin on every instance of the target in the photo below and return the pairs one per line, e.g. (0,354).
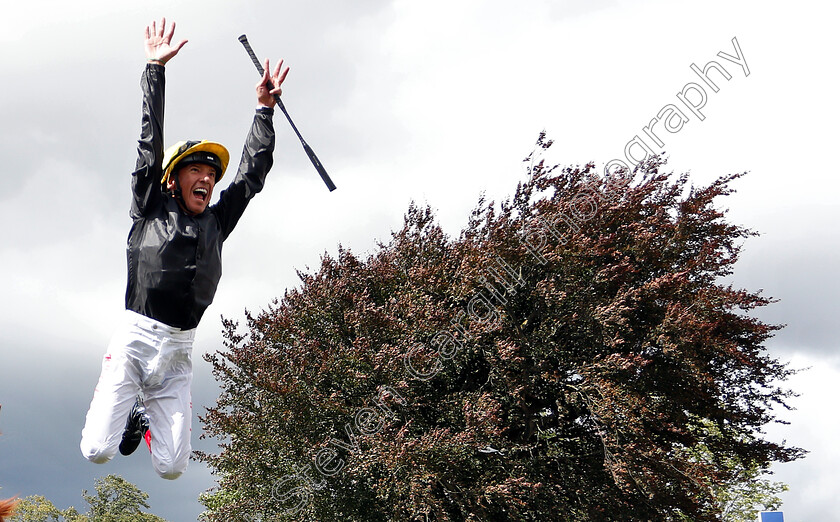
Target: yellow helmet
(186,151)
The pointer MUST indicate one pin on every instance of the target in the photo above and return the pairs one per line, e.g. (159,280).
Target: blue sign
(771,516)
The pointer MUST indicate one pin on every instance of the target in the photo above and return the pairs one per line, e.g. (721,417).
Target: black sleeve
(253,168)
(145,180)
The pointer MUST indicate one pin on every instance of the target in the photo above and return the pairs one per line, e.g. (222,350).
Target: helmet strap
(176,193)
(179,195)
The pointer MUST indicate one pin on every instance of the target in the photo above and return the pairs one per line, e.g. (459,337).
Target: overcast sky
(429,101)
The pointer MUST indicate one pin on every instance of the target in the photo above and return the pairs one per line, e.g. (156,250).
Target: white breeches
(152,357)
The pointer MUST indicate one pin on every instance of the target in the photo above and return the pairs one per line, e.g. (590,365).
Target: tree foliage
(746,495)
(116,500)
(37,508)
(745,492)
(564,358)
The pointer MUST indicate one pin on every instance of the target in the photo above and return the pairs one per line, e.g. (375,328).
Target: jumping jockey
(174,266)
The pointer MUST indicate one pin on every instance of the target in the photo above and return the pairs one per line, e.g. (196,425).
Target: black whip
(309,152)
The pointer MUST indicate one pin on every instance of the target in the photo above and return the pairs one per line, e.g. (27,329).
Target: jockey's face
(197,181)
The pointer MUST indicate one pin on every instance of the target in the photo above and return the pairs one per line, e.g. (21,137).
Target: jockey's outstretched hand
(159,45)
(265,97)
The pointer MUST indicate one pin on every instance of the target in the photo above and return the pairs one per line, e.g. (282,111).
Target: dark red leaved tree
(566,358)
